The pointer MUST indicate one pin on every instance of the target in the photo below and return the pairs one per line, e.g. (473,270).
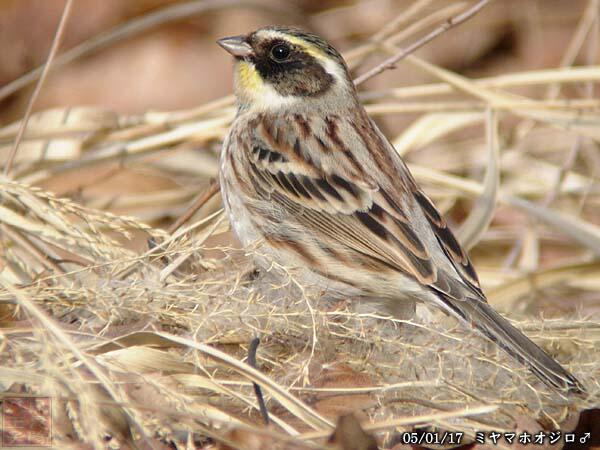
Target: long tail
(496,328)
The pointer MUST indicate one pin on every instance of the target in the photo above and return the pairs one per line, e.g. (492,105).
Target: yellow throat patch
(249,81)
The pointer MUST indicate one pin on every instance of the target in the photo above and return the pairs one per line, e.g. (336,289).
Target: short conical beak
(236,45)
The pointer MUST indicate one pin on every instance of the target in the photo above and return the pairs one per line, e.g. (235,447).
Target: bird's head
(278,66)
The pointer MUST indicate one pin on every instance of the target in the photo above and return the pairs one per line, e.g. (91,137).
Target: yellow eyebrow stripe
(310,49)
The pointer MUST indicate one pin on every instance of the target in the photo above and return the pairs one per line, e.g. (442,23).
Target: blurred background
(179,66)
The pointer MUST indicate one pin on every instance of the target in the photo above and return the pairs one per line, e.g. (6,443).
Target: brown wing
(340,178)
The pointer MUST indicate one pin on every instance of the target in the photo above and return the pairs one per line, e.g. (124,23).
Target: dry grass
(148,340)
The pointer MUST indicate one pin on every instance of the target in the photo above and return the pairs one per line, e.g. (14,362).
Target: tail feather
(499,330)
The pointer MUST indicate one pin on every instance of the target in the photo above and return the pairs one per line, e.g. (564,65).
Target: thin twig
(53,49)
(198,203)
(583,30)
(405,25)
(389,28)
(450,23)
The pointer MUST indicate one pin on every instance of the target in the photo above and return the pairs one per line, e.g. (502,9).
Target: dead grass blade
(508,294)
(482,212)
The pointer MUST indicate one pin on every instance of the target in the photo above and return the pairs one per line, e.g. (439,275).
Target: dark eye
(280,52)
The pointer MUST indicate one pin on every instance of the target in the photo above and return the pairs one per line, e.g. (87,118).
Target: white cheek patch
(269,98)
(334,69)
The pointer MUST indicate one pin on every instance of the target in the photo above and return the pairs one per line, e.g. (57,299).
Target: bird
(307,173)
